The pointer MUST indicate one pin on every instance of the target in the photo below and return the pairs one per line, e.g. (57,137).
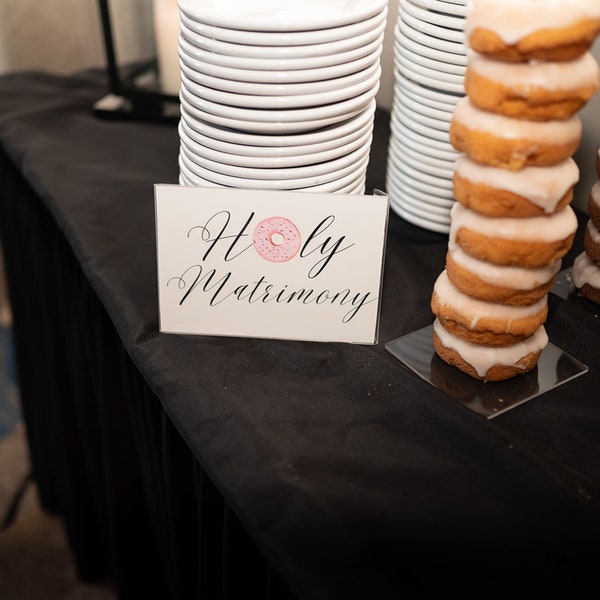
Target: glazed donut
(591,242)
(512,285)
(509,143)
(276,239)
(481,322)
(593,204)
(529,192)
(530,242)
(538,91)
(489,363)
(586,277)
(522,30)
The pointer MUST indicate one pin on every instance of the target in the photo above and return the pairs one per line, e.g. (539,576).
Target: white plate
(279,64)
(351,171)
(420,137)
(436,214)
(285,76)
(454,72)
(400,153)
(338,110)
(287,126)
(278,173)
(422,154)
(441,56)
(210,44)
(280,15)
(445,116)
(299,153)
(281,102)
(278,89)
(426,215)
(431,41)
(426,77)
(270,162)
(446,21)
(442,184)
(284,38)
(443,203)
(402,196)
(397,177)
(441,100)
(429,127)
(442,125)
(418,221)
(448,8)
(329,133)
(442,33)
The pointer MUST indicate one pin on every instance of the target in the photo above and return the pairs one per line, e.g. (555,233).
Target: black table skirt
(204,467)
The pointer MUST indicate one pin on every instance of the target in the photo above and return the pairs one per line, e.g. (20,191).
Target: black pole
(113,72)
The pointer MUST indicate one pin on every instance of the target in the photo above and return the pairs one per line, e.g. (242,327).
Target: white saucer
(248,100)
(405,197)
(284,76)
(455,8)
(427,127)
(439,100)
(279,89)
(441,185)
(433,17)
(442,44)
(350,172)
(422,154)
(292,153)
(276,126)
(399,153)
(442,56)
(441,149)
(310,170)
(427,77)
(408,16)
(285,52)
(280,15)
(284,38)
(338,110)
(278,64)
(454,73)
(440,202)
(417,220)
(444,116)
(271,162)
(329,133)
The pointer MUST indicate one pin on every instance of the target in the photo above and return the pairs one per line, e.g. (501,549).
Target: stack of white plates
(429,66)
(278,94)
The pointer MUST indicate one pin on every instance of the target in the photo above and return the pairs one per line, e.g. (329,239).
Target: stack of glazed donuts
(529,72)
(586,268)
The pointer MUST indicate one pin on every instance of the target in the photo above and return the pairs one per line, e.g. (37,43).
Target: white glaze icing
(547,228)
(513,278)
(562,131)
(513,20)
(585,270)
(575,74)
(596,193)
(482,358)
(475,310)
(543,186)
(593,231)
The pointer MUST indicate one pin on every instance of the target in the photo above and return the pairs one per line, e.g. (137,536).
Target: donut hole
(277,239)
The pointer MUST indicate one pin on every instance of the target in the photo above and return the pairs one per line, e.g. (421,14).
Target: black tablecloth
(190,466)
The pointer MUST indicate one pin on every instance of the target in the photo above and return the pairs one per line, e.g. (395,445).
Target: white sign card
(270,264)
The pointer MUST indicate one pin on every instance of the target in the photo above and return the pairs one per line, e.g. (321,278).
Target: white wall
(63,36)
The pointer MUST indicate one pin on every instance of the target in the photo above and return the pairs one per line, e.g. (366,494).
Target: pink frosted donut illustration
(276,239)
